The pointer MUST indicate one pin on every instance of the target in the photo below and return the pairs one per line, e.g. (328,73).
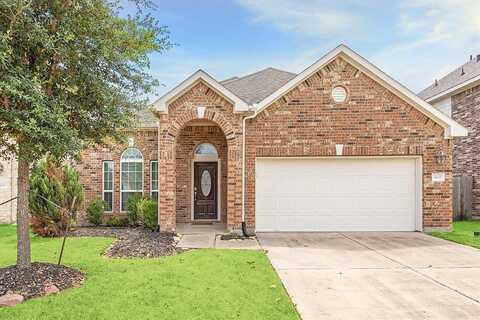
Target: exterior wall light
(440,157)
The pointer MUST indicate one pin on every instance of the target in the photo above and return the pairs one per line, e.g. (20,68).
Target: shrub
(52,185)
(148,212)
(132,209)
(95,211)
(117,222)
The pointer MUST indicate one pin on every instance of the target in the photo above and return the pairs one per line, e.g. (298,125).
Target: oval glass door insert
(206,183)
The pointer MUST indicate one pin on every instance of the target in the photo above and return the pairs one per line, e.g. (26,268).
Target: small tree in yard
(72,72)
(55,195)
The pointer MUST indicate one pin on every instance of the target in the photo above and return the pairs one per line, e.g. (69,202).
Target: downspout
(244,224)
(157,228)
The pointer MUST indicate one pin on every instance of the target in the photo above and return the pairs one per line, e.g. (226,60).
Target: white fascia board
(452,128)
(161,105)
(456,89)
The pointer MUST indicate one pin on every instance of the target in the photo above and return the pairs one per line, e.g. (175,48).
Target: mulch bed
(133,242)
(233,236)
(31,282)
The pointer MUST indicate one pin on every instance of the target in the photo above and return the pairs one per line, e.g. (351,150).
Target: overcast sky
(414,41)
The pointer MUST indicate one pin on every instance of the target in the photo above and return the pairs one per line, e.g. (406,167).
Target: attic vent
(339,94)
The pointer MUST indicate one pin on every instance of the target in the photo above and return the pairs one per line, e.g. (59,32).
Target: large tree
(72,72)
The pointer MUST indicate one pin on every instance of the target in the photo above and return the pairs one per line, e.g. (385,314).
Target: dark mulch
(133,242)
(30,282)
(233,236)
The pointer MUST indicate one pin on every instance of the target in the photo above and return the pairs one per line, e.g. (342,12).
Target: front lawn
(462,233)
(199,284)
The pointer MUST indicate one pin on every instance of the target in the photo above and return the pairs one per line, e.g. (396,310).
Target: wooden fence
(462,198)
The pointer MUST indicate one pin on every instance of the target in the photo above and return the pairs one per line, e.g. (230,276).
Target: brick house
(457,95)
(340,146)
(8,190)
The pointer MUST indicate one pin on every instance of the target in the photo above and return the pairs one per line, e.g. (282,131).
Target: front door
(205,191)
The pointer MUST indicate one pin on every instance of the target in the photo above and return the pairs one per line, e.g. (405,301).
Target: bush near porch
(199,284)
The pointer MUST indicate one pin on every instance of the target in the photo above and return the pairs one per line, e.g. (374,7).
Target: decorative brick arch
(167,164)
(191,114)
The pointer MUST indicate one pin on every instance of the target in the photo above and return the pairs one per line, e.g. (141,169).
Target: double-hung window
(154,179)
(131,175)
(108,185)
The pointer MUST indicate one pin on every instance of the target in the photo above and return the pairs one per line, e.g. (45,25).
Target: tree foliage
(72,72)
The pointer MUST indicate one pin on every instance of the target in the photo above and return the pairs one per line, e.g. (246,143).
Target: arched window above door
(206,149)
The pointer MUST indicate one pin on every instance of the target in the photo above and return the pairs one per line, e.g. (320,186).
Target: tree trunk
(23,221)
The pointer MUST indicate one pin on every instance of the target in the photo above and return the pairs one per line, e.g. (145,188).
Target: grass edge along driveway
(198,284)
(462,232)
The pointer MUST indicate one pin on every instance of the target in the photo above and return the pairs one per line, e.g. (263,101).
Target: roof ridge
(262,70)
(228,80)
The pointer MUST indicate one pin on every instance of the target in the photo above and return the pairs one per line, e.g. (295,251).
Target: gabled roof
(241,91)
(464,76)
(452,128)
(260,90)
(162,103)
(255,87)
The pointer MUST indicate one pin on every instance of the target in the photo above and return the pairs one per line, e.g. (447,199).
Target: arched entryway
(179,163)
(201,173)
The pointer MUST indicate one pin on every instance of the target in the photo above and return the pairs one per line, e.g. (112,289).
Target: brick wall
(466,151)
(90,167)
(305,122)
(190,137)
(181,112)
(372,122)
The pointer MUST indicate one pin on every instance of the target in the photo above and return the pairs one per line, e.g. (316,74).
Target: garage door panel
(335,195)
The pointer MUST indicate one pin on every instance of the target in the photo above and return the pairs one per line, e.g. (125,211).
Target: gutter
(157,228)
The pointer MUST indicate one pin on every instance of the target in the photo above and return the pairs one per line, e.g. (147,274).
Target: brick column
(167,182)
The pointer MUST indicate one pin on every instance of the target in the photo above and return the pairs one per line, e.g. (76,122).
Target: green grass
(462,233)
(199,284)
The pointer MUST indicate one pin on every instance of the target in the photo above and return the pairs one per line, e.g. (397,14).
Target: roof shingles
(471,69)
(255,87)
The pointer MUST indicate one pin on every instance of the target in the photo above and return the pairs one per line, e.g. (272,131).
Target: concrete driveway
(371,275)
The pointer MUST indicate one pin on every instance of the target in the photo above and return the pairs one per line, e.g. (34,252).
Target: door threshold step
(203,222)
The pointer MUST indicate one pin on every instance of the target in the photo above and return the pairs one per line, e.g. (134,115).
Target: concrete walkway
(209,236)
(376,275)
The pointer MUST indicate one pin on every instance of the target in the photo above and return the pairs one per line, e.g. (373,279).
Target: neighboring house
(458,96)
(339,147)
(8,190)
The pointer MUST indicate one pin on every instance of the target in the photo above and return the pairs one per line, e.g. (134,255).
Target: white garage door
(336,194)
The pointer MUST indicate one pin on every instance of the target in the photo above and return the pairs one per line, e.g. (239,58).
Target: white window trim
(151,178)
(113,183)
(143,176)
